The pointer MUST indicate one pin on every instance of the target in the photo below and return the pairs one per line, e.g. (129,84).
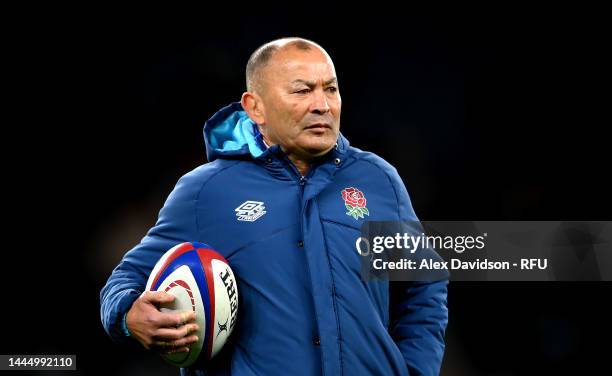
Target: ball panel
(206,255)
(226,309)
(165,260)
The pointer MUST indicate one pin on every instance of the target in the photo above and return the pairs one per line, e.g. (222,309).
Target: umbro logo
(250,211)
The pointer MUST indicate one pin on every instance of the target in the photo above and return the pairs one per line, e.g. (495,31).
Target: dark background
(488,114)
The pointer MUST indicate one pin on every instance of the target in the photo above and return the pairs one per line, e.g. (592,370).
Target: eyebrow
(311,84)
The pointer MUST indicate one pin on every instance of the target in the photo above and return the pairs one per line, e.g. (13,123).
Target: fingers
(178,350)
(180,345)
(184,342)
(187,316)
(168,348)
(157,297)
(168,340)
(167,319)
(164,319)
(164,332)
(174,334)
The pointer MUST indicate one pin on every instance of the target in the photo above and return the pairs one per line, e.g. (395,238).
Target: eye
(332,89)
(303,91)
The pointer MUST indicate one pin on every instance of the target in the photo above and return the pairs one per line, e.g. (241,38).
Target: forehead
(292,63)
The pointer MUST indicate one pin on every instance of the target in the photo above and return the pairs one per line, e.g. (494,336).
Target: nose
(319,103)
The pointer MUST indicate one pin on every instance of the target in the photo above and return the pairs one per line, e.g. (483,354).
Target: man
(304,309)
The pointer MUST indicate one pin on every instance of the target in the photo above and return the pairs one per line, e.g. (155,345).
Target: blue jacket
(304,309)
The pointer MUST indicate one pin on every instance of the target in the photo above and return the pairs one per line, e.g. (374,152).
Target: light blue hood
(230,132)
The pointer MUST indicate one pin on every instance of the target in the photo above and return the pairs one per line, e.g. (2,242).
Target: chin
(317,145)
(319,149)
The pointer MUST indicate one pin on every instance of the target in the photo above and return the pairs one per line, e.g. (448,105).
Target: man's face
(301,102)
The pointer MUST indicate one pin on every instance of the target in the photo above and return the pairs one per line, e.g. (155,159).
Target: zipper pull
(302,180)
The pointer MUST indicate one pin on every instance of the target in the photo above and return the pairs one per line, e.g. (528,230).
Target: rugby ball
(202,281)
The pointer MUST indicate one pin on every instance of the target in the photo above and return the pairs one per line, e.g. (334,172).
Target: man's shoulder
(209,169)
(373,159)
(204,173)
(396,183)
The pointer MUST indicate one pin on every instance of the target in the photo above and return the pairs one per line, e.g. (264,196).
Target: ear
(253,105)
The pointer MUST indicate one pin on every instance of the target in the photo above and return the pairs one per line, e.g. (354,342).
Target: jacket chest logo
(250,211)
(355,202)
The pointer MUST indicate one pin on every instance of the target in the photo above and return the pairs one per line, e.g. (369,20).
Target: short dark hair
(264,53)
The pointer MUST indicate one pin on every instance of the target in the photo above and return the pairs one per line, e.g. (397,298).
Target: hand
(162,332)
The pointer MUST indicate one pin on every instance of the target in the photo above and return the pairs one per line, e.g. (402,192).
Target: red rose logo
(355,202)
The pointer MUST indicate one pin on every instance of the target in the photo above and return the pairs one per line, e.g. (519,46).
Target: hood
(230,133)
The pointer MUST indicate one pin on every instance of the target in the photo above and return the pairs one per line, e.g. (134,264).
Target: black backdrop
(488,114)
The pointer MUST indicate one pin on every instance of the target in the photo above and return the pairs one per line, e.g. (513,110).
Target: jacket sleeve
(418,313)
(176,224)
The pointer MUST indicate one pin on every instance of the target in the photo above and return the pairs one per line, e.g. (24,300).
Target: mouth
(318,126)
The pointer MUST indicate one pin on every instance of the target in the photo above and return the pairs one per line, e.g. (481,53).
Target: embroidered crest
(355,202)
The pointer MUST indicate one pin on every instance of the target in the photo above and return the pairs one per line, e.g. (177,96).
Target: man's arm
(418,319)
(418,313)
(176,224)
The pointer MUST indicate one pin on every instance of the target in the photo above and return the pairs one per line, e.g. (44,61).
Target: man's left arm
(418,313)
(418,319)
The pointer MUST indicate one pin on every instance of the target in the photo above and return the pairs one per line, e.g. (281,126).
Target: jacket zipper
(302,183)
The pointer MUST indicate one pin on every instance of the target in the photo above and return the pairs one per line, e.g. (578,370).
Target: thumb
(158,297)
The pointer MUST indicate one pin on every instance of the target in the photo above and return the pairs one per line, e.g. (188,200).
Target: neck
(302,165)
